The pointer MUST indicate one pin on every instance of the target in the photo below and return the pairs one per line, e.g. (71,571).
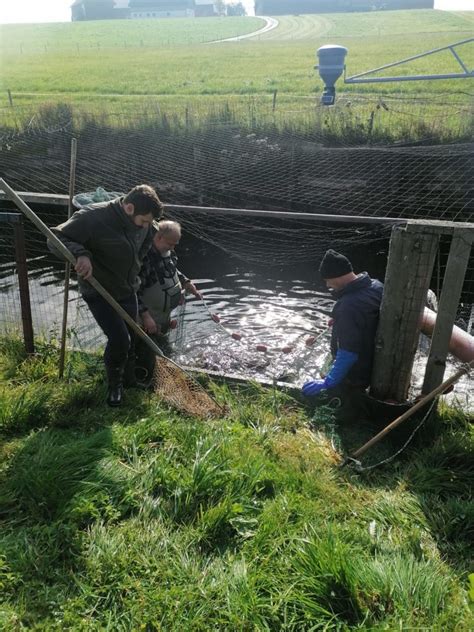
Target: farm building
(92,10)
(161,8)
(121,9)
(204,9)
(291,7)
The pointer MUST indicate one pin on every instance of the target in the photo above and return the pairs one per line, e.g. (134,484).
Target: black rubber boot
(145,364)
(129,374)
(115,386)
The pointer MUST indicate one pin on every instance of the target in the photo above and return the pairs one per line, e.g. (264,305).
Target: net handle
(41,226)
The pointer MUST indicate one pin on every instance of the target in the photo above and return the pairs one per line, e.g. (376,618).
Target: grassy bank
(145,519)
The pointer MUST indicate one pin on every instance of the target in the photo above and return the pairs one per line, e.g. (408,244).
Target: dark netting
(400,158)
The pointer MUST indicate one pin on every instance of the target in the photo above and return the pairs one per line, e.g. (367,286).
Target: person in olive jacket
(110,241)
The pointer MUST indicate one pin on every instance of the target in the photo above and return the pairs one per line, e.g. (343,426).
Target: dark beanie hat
(334,265)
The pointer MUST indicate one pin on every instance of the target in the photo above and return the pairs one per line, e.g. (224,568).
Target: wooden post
(453,281)
(10,98)
(410,265)
(197,173)
(22,270)
(67,273)
(274,99)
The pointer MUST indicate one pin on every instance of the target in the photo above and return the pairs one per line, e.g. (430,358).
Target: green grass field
(146,519)
(121,34)
(84,62)
(297,27)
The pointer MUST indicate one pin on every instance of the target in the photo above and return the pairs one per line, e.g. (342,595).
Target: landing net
(181,391)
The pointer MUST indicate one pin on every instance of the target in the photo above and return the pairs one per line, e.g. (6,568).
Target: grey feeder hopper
(331,66)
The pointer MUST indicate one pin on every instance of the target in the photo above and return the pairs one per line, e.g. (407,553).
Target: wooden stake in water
(67,273)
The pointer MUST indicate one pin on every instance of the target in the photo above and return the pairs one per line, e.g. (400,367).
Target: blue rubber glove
(343,363)
(310,389)
(341,367)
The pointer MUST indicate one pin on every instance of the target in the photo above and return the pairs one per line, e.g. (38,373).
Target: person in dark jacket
(161,290)
(355,320)
(110,241)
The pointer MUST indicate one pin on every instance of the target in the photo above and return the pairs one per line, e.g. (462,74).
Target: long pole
(60,247)
(425,400)
(67,272)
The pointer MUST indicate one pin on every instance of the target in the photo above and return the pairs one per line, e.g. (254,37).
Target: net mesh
(182,391)
(368,156)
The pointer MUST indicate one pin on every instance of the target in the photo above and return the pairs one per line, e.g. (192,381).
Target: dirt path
(270,24)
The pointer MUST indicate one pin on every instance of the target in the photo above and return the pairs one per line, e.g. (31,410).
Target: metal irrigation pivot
(332,65)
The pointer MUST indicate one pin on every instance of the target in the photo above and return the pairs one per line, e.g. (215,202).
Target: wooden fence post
(275,92)
(67,271)
(22,270)
(453,281)
(410,266)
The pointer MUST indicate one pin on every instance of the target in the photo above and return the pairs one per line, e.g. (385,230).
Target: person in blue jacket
(355,319)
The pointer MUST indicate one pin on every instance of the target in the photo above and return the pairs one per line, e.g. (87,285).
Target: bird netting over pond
(372,157)
(367,157)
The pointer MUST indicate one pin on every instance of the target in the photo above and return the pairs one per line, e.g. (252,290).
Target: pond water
(271,310)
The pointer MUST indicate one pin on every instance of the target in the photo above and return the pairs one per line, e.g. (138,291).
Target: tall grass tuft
(143,519)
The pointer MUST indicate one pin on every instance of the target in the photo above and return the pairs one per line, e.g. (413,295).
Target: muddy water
(262,329)
(264,316)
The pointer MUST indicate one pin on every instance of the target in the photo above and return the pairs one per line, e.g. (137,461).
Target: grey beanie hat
(334,265)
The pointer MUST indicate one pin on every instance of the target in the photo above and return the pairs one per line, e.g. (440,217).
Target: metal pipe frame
(467,74)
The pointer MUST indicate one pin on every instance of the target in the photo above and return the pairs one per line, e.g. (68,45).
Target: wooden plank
(39,198)
(312,217)
(453,282)
(11,218)
(390,315)
(410,265)
(436,226)
(441,227)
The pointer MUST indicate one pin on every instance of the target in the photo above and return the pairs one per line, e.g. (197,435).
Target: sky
(12,11)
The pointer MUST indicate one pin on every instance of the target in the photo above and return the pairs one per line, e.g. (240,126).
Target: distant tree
(220,7)
(236,8)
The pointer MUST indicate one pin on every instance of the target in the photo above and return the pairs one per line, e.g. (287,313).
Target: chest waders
(164,295)
(160,299)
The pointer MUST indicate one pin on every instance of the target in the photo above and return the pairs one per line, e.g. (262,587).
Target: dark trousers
(120,338)
(146,357)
